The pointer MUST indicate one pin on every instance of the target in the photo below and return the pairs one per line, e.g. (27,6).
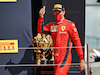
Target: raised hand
(42,11)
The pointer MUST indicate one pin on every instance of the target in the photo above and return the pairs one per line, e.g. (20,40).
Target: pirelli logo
(8,46)
(8,0)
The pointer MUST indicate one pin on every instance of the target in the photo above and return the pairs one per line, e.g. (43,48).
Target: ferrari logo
(63,28)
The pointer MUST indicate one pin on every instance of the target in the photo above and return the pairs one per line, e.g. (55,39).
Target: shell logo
(52,28)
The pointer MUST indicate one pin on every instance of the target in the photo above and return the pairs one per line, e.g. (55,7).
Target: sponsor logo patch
(54,28)
(73,24)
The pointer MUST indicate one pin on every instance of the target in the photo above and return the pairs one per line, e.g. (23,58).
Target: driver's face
(55,12)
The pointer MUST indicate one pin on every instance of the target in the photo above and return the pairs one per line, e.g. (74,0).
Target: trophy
(43,55)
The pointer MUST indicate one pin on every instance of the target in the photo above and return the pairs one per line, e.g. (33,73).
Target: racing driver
(63,33)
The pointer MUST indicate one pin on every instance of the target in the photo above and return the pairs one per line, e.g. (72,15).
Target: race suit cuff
(41,18)
(81,57)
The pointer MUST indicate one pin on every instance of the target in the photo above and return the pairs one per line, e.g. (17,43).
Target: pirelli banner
(8,0)
(15,32)
(8,46)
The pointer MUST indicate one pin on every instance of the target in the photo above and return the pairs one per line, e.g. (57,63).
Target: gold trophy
(42,54)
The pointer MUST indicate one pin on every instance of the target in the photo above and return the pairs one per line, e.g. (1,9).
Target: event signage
(8,46)
(8,0)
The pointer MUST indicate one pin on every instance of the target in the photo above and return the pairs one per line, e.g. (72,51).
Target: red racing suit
(63,34)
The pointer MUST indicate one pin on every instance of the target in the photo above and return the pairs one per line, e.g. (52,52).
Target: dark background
(19,21)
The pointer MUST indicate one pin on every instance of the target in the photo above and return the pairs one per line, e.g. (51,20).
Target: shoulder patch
(73,24)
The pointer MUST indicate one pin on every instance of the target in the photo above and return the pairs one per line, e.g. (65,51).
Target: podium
(49,70)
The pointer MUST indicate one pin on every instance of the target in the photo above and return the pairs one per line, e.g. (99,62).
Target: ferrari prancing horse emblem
(63,28)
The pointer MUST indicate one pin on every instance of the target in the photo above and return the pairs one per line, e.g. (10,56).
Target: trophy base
(46,62)
(43,61)
(50,62)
